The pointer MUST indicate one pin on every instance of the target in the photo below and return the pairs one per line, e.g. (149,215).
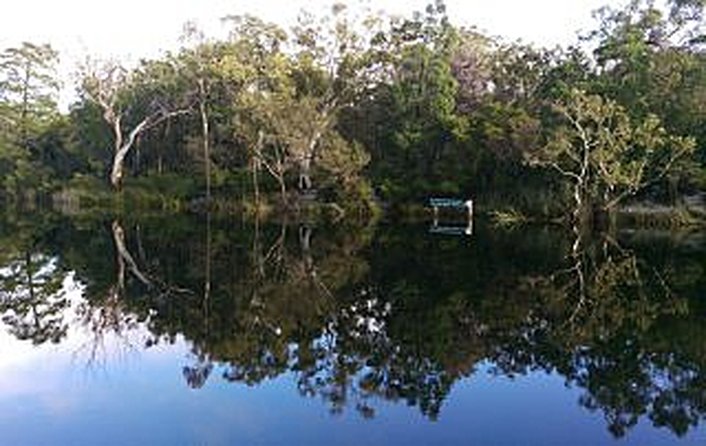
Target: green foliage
(349,105)
(605,156)
(28,89)
(420,129)
(652,62)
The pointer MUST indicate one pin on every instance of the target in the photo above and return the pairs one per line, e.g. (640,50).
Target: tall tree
(334,66)
(28,94)
(198,61)
(420,124)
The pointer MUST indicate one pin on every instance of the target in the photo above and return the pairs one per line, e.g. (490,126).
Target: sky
(134,29)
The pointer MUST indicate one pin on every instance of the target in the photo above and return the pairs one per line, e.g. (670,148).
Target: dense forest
(354,111)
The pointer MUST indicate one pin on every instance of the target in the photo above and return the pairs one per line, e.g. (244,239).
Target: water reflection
(359,315)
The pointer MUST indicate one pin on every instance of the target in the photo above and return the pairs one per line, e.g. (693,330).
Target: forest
(350,112)
(235,196)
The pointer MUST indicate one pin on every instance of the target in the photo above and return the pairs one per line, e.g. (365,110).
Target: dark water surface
(205,330)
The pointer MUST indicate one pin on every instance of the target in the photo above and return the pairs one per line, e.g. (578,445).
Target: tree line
(356,108)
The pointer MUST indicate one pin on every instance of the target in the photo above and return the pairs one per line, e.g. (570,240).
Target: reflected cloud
(357,319)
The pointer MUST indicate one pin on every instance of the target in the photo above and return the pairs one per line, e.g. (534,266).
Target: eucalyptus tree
(257,68)
(424,94)
(472,64)
(200,67)
(502,98)
(335,63)
(504,92)
(606,156)
(131,103)
(291,91)
(642,54)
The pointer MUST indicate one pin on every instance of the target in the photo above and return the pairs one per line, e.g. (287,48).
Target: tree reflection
(595,323)
(32,299)
(32,296)
(359,317)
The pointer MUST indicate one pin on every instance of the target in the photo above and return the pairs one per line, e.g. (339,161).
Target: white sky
(131,29)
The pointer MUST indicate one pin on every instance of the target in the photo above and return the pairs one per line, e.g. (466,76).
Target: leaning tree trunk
(122,148)
(124,256)
(117,172)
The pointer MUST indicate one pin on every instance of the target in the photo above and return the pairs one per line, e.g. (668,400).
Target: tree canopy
(351,108)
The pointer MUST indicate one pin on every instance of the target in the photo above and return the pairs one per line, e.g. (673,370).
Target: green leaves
(606,155)
(28,92)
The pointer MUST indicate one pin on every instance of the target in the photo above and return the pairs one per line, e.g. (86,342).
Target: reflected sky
(510,382)
(48,395)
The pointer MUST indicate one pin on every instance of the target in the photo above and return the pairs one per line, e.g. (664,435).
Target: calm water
(203,330)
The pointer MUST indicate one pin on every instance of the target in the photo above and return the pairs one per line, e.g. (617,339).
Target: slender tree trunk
(256,181)
(166,138)
(207,281)
(305,246)
(282,188)
(256,161)
(122,147)
(578,199)
(24,113)
(305,174)
(258,259)
(205,136)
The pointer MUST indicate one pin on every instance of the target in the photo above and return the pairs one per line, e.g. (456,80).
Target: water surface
(208,330)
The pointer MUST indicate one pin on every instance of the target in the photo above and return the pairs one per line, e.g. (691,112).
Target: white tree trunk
(205,134)
(117,172)
(124,256)
(122,149)
(305,163)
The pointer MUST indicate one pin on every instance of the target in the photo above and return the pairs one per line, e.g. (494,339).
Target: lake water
(177,329)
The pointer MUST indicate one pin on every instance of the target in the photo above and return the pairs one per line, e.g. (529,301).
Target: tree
(287,106)
(333,67)
(28,87)
(28,91)
(33,300)
(472,66)
(259,73)
(605,155)
(107,84)
(199,67)
(415,109)
(652,61)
